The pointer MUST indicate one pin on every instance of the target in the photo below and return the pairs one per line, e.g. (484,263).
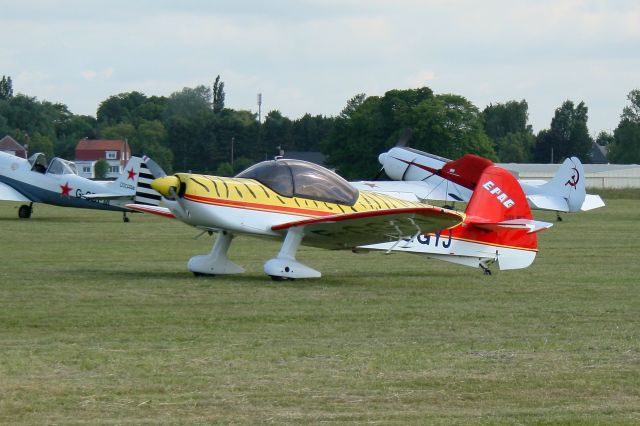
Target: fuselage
(60,189)
(247,206)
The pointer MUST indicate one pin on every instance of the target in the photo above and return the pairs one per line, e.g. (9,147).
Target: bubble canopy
(297,178)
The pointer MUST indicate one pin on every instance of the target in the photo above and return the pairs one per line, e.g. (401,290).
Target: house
(114,152)
(10,146)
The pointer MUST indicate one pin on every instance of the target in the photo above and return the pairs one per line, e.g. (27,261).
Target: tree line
(191,129)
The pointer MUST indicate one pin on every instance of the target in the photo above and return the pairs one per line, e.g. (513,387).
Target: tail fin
(136,180)
(466,170)
(498,215)
(128,179)
(568,183)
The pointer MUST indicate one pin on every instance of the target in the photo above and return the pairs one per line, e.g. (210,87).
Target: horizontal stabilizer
(528,224)
(145,208)
(548,202)
(592,201)
(107,196)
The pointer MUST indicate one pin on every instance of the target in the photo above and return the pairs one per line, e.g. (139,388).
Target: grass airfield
(101,323)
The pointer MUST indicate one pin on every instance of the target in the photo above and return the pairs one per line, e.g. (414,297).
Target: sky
(313,56)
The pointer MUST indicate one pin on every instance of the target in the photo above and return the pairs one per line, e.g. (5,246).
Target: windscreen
(302,179)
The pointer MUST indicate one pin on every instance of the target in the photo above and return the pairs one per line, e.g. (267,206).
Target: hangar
(598,175)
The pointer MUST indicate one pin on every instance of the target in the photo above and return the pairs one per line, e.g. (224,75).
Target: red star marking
(65,190)
(132,174)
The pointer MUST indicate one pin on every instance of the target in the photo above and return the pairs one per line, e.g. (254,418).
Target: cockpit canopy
(296,178)
(57,166)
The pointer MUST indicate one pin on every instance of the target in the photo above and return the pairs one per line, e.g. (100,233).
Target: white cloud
(89,75)
(313,56)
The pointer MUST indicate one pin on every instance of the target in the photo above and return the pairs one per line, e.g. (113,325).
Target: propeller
(404,138)
(402,142)
(154,168)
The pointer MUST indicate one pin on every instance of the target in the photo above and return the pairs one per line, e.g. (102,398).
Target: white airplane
(308,204)
(430,177)
(33,181)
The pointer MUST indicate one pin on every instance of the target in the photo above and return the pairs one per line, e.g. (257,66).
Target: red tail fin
(466,170)
(498,197)
(498,212)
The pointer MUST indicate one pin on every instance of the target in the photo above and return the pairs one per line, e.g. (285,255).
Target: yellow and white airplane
(308,204)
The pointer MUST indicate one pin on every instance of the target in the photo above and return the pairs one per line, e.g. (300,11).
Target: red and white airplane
(308,204)
(57,183)
(430,177)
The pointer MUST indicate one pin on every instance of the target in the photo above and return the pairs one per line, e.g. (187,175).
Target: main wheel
(24,212)
(280,278)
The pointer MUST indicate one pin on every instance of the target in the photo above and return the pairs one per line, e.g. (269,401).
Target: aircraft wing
(146,208)
(7,193)
(349,230)
(433,189)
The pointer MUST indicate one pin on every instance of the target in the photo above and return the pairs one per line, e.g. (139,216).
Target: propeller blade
(404,138)
(378,174)
(154,168)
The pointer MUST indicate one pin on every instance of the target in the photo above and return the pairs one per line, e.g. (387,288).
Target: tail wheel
(24,212)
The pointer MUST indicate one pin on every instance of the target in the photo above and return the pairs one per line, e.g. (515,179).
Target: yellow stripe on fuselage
(252,195)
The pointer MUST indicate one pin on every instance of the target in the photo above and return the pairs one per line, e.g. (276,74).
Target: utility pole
(260,108)
(233,140)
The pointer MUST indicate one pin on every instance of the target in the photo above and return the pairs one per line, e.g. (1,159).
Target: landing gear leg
(125,219)
(24,212)
(558,217)
(285,266)
(216,262)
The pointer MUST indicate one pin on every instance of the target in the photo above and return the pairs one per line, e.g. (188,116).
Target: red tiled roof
(9,144)
(101,145)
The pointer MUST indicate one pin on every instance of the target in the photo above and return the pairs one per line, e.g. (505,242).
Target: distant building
(598,154)
(114,152)
(10,146)
(310,156)
(596,175)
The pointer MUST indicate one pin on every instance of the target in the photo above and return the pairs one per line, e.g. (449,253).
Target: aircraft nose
(164,184)
(382,158)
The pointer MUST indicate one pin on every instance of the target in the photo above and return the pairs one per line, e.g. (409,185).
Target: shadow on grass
(334,280)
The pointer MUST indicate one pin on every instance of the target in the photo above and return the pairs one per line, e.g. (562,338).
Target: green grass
(100,323)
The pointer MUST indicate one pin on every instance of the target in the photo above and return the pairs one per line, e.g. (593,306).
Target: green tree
(40,143)
(605,138)
(218,95)
(189,102)
(310,132)
(120,108)
(70,130)
(626,146)
(506,125)
(451,126)
(447,125)
(277,134)
(567,136)
(100,169)
(6,88)
(147,138)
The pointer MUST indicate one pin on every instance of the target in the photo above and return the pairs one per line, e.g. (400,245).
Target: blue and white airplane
(57,183)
